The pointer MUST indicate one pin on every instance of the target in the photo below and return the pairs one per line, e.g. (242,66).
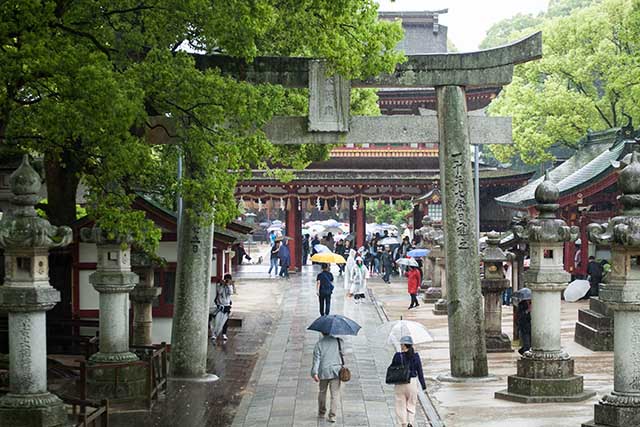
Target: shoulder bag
(399,374)
(344,374)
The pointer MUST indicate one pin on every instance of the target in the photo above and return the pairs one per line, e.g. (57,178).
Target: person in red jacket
(413,285)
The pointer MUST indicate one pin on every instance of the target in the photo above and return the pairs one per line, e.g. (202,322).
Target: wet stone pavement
(282,392)
(258,304)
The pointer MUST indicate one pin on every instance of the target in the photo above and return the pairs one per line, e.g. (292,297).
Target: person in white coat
(359,277)
(351,263)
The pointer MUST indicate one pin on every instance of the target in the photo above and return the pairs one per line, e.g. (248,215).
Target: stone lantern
(493,285)
(622,295)
(438,260)
(26,295)
(113,280)
(546,372)
(426,232)
(142,297)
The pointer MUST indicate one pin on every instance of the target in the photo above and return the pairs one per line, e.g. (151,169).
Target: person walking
(340,250)
(413,284)
(351,263)
(406,395)
(274,259)
(359,277)
(594,272)
(220,307)
(325,370)
(324,289)
(387,264)
(305,249)
(284,255)
(315,241)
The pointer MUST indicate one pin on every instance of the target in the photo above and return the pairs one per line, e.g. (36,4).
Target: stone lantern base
(594,328)
(38,410)
(541,380)
(498,343)
(432,294)
(125,384)
(611,415)
(440,307)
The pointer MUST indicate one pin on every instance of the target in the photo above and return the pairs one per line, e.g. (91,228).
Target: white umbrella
(408,261)
(389,241)
(576,290)
(321,248)
(402,328)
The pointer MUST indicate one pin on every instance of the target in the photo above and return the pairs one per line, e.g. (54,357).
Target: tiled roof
(590,161)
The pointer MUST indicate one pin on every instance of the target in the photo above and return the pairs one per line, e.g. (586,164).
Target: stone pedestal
(26,295)
(440,307)
(433,292)
(142,297)
(545,373)
(622,295)
(493,285)
(594,328)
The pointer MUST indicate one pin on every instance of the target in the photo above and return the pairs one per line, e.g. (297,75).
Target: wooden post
(361,223)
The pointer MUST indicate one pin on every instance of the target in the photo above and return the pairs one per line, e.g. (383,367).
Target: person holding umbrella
(328,368)
(413,284)
(407,394)
(523,317)
(274,259)
(324,289)
(284,255)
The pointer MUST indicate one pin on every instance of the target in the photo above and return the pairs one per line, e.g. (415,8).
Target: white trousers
(406,398)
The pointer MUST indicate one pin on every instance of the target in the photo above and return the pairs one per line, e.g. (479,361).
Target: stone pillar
(622,295)
(293,229)
(431,234)
(467,348)
(440,307)
(191,301)
(113,280)
(26,296)
(493,285)
(545,373)
(142,297)
(361,223)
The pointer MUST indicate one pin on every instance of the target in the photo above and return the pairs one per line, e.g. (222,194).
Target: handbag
(398,374)
(344,374)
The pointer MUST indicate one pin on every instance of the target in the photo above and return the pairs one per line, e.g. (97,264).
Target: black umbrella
(335,324)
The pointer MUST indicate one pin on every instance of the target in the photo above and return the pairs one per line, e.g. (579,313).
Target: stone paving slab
(284,393)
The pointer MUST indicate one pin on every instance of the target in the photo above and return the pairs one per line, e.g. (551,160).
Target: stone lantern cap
(623,229)
(492,252)
(22,228)
(546,228)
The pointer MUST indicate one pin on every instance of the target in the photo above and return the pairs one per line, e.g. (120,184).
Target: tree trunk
(62,180)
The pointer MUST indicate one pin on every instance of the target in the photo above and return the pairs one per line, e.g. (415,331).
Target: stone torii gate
(329,122)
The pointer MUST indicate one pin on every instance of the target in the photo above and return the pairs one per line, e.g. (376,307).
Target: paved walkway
(282,392)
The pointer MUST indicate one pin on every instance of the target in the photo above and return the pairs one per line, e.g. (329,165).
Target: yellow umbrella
(328,258)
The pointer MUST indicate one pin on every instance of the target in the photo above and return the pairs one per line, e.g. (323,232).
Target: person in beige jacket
(325,370)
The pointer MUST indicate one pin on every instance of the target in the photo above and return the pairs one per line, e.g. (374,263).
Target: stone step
(596,304)
(592,338)
(594,319)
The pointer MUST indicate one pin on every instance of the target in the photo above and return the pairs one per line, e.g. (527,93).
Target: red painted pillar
(293,227)
(361,223)
(584,247)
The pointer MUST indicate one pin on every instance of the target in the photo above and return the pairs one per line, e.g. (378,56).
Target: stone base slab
(521,398)
(52,412)
(553,369)
(131,383)
(440,308)
(432,295)
(592,338)
(615,416)
(547,387)
(498,344)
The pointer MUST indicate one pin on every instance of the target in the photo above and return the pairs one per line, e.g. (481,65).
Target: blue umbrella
(418,253)
(335,324)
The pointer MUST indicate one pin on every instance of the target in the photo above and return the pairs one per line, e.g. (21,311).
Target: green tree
(80,79)
(588,79)
(395,213)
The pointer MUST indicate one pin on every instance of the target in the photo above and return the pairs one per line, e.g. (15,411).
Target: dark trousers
(387,273)
(284,271)
(525,339)
(325,304)
(414,300)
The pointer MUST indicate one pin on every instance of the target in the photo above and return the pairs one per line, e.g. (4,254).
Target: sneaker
(331,419)
(213,338)
(224,337)
(321,414)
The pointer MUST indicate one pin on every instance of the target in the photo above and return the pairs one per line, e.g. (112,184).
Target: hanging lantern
(259,204)
(318,204)
(355,204)
(283,206)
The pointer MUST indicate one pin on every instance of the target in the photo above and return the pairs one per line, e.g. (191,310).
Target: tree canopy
(80,79)
(587,79)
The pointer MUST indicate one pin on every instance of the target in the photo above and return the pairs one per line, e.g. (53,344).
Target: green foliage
(588,77)
(510,29)
(391,214)
(82,78)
